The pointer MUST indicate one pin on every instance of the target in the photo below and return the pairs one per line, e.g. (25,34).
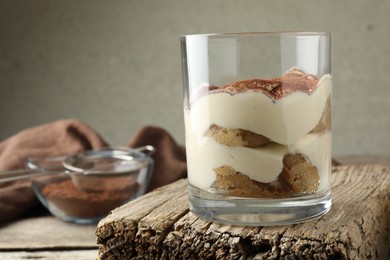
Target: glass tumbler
(257,110)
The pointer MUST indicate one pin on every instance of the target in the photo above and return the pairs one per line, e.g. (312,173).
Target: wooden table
(41,236)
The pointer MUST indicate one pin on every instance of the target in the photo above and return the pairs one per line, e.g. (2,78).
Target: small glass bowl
(84,188)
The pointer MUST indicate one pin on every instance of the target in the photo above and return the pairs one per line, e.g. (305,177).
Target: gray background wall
(116,64)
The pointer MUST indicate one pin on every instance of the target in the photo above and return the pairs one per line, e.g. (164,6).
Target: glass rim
(259,34)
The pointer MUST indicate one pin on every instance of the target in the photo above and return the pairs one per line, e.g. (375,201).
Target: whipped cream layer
(284,121)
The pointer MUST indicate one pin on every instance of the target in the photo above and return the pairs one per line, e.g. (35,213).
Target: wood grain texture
(46,233)
(160,226)
(50,255)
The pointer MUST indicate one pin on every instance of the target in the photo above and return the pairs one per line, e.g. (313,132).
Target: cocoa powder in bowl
(70,203)
(85,187)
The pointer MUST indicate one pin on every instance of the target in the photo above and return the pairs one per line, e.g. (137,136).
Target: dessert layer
(285,120)
(237,137)
(298,176)
(263,164)
(292,81)
(237,184)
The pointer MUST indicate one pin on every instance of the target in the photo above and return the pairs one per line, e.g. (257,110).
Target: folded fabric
(70,136)
(169,158)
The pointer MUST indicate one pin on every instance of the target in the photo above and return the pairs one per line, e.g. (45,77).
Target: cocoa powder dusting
(75,202)
(277,88)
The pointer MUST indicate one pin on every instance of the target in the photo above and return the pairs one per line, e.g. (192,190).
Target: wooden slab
(160,226)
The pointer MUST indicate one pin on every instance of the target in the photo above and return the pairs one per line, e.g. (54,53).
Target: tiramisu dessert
(261,138)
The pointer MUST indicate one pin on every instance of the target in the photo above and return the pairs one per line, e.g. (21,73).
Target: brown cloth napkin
(70,136)
(169,158)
